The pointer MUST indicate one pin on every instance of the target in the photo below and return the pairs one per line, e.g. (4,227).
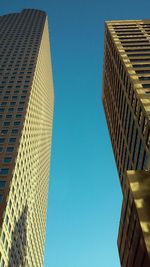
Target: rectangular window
(4,131)
(10,149)
(131,137)
(143,71)
(146,85)
(2,140)
(135,145)
(11,109)
(12,140)
(3,103)
(20,109)
(12,103)
(7,160)
(144,78)
(9,116)
(4,171)
(137,50)
(2,184)
(1,199)
(145,161)
(16,123)
(139,59)
(138,164)
(141,65)
(18,115)
(144,126)
(6,123)
(14,131)
(138,55)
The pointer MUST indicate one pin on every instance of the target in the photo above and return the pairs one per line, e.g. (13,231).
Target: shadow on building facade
(17,254)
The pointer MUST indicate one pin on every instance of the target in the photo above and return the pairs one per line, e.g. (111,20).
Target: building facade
(26,116)
(126,100)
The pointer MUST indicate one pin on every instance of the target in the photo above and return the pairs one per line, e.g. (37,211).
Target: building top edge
(25,10)
(127,21)
(33,9)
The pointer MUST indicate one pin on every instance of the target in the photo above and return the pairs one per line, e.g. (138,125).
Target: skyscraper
(26,114)
(126,100)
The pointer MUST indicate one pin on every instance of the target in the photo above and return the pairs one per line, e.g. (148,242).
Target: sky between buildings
(84,193)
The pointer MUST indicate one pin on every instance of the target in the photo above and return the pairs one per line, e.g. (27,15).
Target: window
(148,138)
(5,97)
(137,50)
(11,109)
(138,164)
(2,109)
(135,145)
(2,140)
(2,184)
(139,55)
(4,171)
(144,78)
(18,115)
(1,198)
(144,126)
(9,116)
(3,103)
(12,140)
(146,85)
(10,149)
(16,123)
(139,59)
(6,123)
(145,160)
(4,131)
(7,160)
(20,109)
(12,103)
(14,131)
(141,66)
(142,71)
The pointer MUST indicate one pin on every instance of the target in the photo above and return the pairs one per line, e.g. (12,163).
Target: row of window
(8,123)
(9,149)
(10,109)
(11,103)
(16,73)
(11,116)
(5,131)
(11,140)
(13,97)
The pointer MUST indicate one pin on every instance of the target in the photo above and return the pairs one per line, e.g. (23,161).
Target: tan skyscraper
(126,99)
(26,115)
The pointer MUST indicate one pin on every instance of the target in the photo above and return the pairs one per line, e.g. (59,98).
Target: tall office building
(126,100)
(26,114)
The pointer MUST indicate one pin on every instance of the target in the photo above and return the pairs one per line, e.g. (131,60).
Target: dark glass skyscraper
(26,113)
(126,100)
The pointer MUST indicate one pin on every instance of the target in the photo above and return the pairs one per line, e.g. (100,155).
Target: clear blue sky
(84,193)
